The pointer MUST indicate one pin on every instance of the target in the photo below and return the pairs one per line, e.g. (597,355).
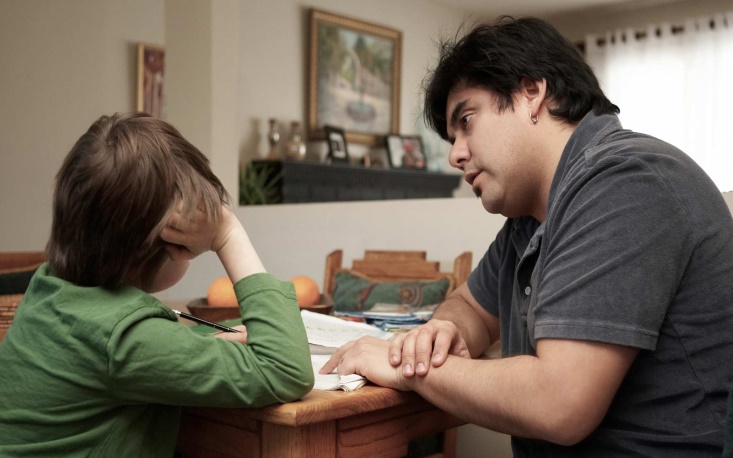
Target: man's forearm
(561,395)
(468,322)
(488,394)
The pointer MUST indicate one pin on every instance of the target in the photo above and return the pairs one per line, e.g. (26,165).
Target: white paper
(330,331)
(327,333)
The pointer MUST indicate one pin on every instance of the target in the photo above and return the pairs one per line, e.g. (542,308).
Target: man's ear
(533,93)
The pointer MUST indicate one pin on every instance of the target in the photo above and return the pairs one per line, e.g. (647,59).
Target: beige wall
(66,63)
(635,14)
(62,65)
(295,239)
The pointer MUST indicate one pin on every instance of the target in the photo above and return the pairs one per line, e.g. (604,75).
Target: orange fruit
(221,293)
(306,290)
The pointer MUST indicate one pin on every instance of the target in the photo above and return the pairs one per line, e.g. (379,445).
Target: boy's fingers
(240,337)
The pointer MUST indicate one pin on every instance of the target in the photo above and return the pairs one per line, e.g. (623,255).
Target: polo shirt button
(527,290)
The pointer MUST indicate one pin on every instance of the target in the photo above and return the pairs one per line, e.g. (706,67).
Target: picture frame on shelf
(354,78)
(376,158)
(150,93)
(337,145)
(406,151)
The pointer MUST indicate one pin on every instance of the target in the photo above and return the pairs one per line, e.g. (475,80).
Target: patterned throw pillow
(356,292)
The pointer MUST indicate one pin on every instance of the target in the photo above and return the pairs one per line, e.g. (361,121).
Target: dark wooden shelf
(304,181)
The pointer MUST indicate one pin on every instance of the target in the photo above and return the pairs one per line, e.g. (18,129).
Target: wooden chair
(397,266)
(9,263)
(402,266)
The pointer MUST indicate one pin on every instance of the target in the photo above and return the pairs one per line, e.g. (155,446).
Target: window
(674,85)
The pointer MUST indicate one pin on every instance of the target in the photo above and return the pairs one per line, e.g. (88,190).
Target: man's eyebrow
(457,112)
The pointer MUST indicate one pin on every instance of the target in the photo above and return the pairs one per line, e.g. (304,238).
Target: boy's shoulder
(91,307)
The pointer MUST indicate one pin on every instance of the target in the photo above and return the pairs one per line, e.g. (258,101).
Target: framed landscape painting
(354,78)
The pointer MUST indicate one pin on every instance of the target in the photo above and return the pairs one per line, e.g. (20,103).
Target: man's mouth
(470,176)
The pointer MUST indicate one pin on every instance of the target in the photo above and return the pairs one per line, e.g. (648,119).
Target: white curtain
(677,87)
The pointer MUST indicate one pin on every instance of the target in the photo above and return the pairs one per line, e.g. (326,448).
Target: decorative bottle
(295,146)
(273,137)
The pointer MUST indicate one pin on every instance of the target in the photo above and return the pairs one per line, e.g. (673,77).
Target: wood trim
(317,440)
(462,267)
(412,269)
(333,265)
(391,436)
(20,259)
(375,255)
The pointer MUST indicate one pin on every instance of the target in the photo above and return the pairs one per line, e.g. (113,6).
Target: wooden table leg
(450,443)
(300,442)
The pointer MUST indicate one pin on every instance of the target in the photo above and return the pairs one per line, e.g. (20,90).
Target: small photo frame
(336,139)
(150,80)
(406,151)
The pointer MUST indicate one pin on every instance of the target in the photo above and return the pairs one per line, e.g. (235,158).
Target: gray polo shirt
(636,250)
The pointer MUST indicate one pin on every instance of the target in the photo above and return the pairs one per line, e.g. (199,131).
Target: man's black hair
(497,56)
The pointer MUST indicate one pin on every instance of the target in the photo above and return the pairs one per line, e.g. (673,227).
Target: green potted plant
(259,185)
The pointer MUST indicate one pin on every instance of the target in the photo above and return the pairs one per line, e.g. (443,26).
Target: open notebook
(325,335)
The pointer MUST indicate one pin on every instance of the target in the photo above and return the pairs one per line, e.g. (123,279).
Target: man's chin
(490,206)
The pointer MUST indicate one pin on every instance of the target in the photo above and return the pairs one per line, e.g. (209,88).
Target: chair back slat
(409,269)
(383,255)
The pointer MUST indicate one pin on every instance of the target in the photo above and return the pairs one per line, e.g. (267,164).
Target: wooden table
(369,422)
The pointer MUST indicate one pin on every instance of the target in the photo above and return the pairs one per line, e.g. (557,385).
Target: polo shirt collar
(590,132)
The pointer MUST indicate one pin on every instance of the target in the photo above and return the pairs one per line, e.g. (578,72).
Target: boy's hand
(240,337)
(188,236)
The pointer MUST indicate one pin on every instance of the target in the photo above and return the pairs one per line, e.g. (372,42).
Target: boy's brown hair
(114,194)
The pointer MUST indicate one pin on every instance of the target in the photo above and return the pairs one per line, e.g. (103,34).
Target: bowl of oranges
(309,298)
(221,304)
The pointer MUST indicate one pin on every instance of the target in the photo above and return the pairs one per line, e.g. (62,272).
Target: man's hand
(240,337)
(366,357)
(428,344)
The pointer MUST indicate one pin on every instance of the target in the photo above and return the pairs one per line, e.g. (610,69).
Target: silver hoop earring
(534,118)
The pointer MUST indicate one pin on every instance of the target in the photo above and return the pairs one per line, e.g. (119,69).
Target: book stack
(393,317)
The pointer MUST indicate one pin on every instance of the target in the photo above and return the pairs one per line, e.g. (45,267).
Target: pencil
(207,323)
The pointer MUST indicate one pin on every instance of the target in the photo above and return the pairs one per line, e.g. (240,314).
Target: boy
(95,365)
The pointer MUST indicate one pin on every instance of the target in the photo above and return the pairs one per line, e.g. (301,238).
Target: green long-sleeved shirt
(93,372)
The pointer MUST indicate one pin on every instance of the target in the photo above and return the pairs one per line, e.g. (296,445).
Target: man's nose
(459,154)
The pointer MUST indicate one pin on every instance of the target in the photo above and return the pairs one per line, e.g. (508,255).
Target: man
(610,285)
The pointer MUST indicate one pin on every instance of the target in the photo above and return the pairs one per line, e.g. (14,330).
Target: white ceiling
(542,8)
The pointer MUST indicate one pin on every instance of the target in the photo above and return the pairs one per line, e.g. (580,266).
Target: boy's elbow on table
(294,382)
(302,385)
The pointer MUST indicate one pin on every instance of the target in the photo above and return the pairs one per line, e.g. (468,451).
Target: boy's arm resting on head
(561,395)
(188,236)
(160,361)
(459,327)
(155,360)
